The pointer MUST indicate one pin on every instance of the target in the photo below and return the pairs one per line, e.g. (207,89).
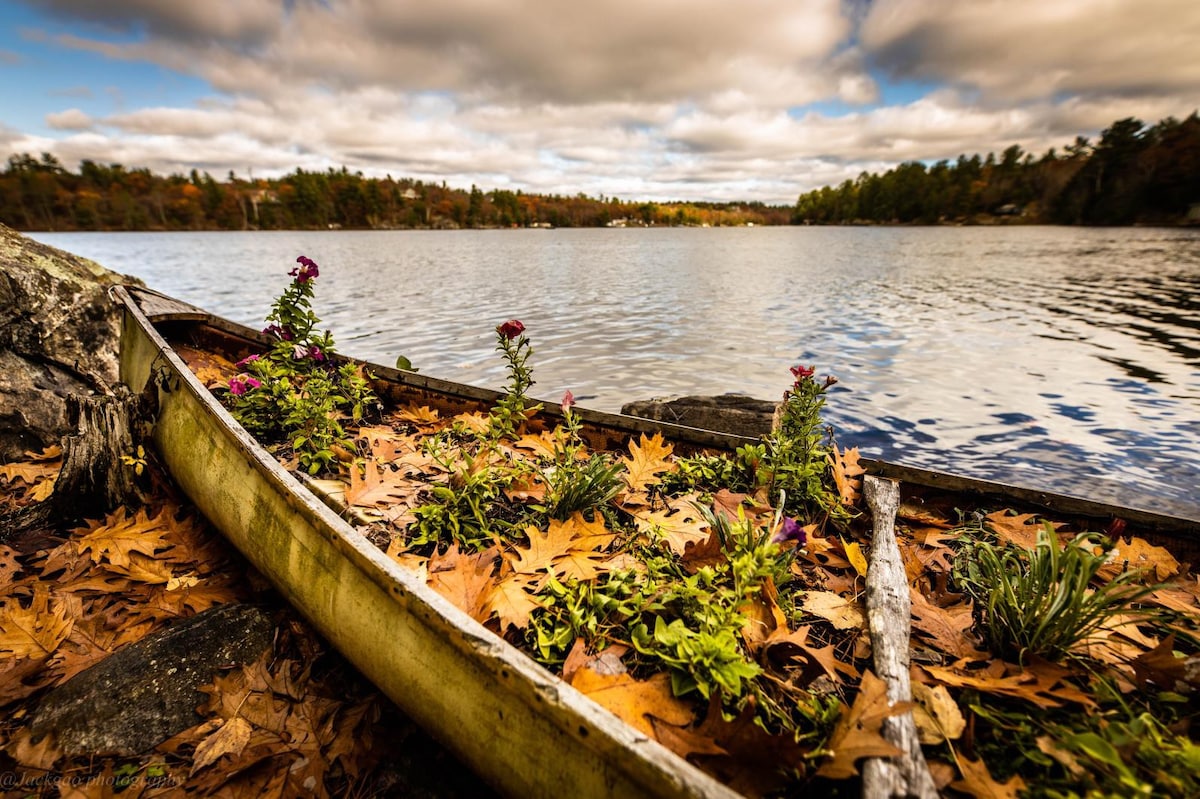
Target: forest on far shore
(1134,174)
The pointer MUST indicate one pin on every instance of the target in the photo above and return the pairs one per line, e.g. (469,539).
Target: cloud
(71,119)
(1025,50)
(9,58)
(236,21)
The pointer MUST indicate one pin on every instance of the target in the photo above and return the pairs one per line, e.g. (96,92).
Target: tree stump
(94,479)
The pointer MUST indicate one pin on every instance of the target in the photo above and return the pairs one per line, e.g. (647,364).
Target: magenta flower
(281,333)
(249,359)
(306,271)
(568,400)
(511,329)
(802,372)
(242,383)
(790,530)
(315,353)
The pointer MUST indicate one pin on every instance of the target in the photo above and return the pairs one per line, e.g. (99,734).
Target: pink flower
(568,400)
(242,383)
(511,329)
(249,359)
(306,271)
(281,333)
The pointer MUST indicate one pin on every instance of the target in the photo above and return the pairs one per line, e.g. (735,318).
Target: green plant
(795,458)
(294,391)
(513,344)
(576,482)
(1043,602)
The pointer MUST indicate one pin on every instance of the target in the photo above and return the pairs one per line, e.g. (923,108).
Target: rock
(727,413)
(146,692)
(58,335)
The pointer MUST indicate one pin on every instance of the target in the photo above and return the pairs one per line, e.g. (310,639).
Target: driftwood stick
(889,620)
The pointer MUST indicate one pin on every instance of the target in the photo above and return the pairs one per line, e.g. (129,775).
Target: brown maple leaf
(567,548)
(646,461)
(857,733)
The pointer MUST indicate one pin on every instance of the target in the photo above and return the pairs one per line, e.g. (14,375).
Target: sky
(716,100)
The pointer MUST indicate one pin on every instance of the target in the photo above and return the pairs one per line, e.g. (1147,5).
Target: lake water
(1061,358)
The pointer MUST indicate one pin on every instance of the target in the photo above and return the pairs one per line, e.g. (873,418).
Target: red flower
(568,400)
(802,372)
(511,329)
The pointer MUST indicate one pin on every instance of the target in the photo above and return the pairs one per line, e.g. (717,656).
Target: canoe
(520,728)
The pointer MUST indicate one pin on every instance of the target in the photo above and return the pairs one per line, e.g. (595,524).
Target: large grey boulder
(58,335)
(727,413)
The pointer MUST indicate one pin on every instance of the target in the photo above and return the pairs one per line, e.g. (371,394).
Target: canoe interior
(946,493)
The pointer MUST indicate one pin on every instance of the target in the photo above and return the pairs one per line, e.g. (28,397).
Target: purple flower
(242,383)
(249,359)
(315,353)
(511,329)
(568,400)
(306,271)
(790,530)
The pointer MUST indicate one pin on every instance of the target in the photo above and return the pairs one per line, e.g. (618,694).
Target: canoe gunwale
(618,753)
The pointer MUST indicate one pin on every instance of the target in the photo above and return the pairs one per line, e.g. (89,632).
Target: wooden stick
(889,620)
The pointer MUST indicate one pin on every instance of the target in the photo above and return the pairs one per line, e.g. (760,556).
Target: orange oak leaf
(677,527)
(1039,682)
(544,547)
(634,701)
(422,415)
(847,474)
(36,631)
(119,535)
(512,600)
(646,461)
(1021,529)
(1137,553)
(978,782)
(857,732)
(465,579)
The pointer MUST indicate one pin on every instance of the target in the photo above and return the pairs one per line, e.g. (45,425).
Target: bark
(94,479)
(889,618)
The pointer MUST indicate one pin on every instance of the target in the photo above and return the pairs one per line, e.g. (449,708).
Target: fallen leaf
(844,613)
(977,781)
(512,600)
(464,579)
(36,631)
(854,554)
(937,715)
(646,461)
(678,527)
(119,535)
(857,733)
(1137,553)
(229,739)
(634,701)
(1020,529)
(847,474)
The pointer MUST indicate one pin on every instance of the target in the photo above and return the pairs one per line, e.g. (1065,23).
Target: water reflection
(1064,358)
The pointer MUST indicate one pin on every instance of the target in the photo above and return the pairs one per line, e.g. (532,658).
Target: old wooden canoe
(519,727)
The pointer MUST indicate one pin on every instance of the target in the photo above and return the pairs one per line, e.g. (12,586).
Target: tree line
(40,194)
(1135,174)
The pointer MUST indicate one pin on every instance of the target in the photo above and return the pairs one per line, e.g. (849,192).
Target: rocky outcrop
(58,335)
(727,413)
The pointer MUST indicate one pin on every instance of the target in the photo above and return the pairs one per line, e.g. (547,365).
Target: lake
(1061,358)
